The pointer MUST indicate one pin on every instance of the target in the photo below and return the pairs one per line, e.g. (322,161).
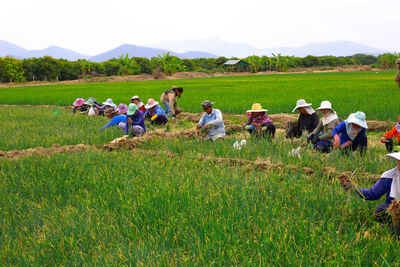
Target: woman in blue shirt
(155,113)
(135,118)
(350,134)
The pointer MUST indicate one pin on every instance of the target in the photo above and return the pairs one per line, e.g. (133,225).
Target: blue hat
(358,118)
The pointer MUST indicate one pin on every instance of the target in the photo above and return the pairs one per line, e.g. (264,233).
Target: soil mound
(188,75)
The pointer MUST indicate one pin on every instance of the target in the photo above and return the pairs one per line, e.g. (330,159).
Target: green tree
(128,66)
(254,62)
(11,70)
(388,60)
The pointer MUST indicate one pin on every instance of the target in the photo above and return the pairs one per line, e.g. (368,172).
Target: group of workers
(325,133)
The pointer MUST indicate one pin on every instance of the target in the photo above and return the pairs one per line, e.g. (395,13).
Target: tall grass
(374,93)
(117,208)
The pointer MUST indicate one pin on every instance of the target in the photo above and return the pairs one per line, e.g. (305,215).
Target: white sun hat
(358,118)
(395,156)
(325,105)
(301,104)
(109,102)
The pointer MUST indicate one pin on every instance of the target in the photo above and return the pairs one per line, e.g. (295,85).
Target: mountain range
(206,48)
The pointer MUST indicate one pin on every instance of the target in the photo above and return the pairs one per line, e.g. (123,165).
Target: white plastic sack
(238,145)
(91,112)
(295,152)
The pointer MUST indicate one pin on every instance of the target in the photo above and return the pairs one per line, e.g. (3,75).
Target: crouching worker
(392,138)
(116,119)
(308,120)
(259,123)
(388,184)
(212,122)
(155,113)
(329,120)
(79,105)
(350,134)
(135,118)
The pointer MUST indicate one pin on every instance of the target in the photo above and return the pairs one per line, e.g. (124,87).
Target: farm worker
(329,120)
(169,100)
(155,113)
(122,109)
(79,104)
(350,134)
(392,138)
(108,106)
(91,104)
(211,121)
(388,184)
(308,120)
(259,123)
(136,100)
(116,119)
(135,118)
(398,73)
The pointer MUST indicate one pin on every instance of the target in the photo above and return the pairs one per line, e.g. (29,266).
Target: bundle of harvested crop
(345,181)
(394,211)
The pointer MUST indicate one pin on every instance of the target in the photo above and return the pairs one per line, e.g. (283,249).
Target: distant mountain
(221,47)
(148,52)
(9,49)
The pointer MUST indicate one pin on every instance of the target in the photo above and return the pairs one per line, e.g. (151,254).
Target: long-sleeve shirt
(169,97)
(393,133)
(381,187)
(136,120)
(157,111)
(308,122)
(327,130)
(214,121)
(341,131)
(114,121)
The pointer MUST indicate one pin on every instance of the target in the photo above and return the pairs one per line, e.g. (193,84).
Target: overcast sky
(93,27)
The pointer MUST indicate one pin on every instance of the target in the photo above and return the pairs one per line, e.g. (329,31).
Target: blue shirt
(114,121)
(136,120)
(378,190)
(341,131)
(214,120)
(157,111)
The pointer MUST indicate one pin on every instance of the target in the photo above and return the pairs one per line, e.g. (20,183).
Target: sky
(93,27)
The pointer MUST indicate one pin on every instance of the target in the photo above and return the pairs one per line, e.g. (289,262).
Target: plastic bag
(91,112)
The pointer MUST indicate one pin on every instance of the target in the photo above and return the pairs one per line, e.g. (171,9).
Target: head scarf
(329,117)
(351,131)
(395,187)
(398,127)
(309,110)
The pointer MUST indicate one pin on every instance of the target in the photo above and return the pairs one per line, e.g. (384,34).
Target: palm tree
(163,61)
(254,63)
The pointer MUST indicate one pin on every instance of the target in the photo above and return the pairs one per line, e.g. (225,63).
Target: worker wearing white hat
(388,184)
(308,119)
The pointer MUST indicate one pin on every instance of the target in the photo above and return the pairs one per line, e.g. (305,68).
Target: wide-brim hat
(151,103)
(132,109)
(79,102)
(257,108)
(135,97)
(301,104)
(358,118)
(109,102)
(325,105)
(90,102)
(395,156)
(122,108)
(207,103)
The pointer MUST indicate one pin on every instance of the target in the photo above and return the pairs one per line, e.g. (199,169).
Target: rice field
(374,93)
(182,201)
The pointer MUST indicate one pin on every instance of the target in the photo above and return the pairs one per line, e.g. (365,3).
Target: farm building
(236,65)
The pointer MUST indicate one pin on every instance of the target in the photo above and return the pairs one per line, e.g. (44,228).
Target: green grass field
(374,93)
(171,202)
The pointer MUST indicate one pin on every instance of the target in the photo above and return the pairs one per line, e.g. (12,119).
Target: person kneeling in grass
(116,119)
(155,113)
(212,122)
(350,134)
(392,138)
(388,184)
(135,118)
(323,142)
(308,120)
(259,123)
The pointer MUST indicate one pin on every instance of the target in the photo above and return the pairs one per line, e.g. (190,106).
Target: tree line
(50,69)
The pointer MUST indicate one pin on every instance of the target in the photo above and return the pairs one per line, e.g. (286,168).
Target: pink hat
(151,103)
(79,102)
(122,108)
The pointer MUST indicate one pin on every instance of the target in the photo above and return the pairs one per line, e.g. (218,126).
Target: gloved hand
(345,182)
(310,137)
